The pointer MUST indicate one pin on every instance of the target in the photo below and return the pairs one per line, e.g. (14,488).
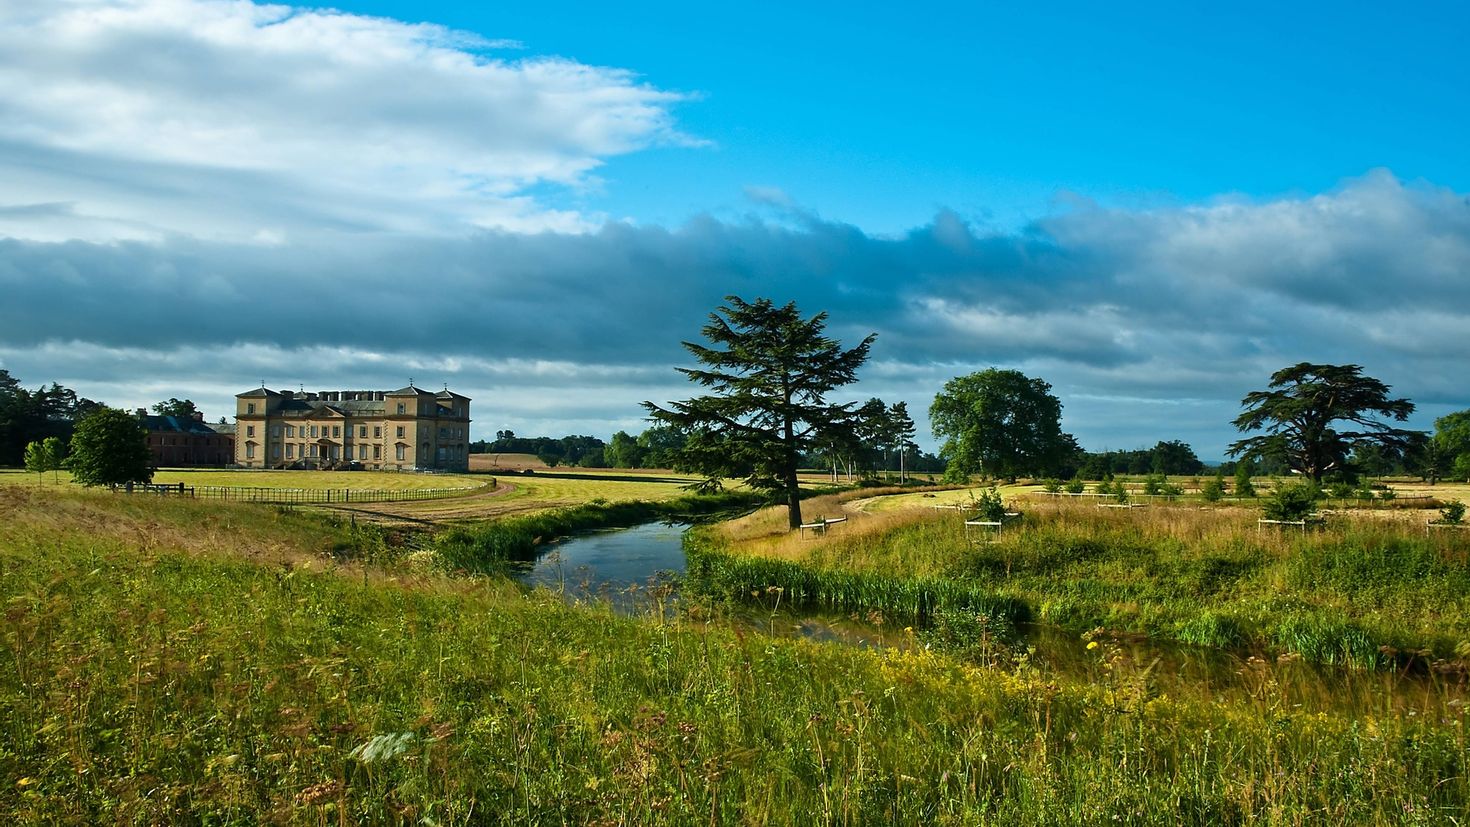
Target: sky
(1150,206)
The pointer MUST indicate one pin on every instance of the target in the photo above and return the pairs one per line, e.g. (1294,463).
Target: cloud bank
(1149,324)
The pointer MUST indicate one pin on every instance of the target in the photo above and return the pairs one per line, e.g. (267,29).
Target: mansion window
(362,431)
(249,430)
(400,434)
(400,410)
(400,452)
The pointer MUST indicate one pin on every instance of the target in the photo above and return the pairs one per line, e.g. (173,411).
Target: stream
(636,571)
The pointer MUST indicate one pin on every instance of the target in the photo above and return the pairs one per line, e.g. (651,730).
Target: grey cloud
(1105,305)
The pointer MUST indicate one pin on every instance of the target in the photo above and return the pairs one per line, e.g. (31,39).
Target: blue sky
(1151,206)
(879,117)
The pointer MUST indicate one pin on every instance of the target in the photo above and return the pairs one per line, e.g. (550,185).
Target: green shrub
(1076,487)
(1243,485)
(1213,489)
(1292,501)
(1453,513)
(989,505)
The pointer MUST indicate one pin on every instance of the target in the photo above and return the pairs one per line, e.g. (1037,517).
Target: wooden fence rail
(302,496)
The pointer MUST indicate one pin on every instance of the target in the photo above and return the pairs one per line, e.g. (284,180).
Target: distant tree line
(1172,458)
(571,450)
(28,416)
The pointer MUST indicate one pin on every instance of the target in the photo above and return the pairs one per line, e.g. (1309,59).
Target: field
(278,479)
(172,661)
(1183,573)
(515,493)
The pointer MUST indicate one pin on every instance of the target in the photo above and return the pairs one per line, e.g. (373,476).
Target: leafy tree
(1243,485)
(110,447)
(1175,458)
(1452,440)
(1000,423)
(1214,488)
(594,458)
(660,445)
(56,454)
(1303,403)
(623,451)
(769,371)
(32,416)
(1432,461)
(901,432)
(37,459)
(176,407)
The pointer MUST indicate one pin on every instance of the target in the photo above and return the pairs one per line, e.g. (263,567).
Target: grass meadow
(1200,576)
(183,662)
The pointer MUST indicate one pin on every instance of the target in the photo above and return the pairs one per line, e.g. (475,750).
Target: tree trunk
(793,498)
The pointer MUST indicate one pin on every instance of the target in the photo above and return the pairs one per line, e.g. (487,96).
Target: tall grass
(1347,594)
(150,681)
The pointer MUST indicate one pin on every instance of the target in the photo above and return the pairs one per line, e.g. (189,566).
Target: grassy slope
(153,676)
(1200,576)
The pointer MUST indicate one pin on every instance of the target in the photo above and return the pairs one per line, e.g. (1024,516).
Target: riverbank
(155,674)
(1369,593)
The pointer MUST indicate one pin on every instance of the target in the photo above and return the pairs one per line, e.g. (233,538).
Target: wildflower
(1092,645)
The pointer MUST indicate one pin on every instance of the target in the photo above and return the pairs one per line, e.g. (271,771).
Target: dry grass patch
(34,519)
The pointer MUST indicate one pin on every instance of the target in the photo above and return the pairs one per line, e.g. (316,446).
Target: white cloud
(230,120)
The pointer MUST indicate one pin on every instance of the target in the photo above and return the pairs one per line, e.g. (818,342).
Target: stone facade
(403,430)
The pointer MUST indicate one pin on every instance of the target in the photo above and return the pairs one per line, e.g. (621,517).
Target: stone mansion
(403,430)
